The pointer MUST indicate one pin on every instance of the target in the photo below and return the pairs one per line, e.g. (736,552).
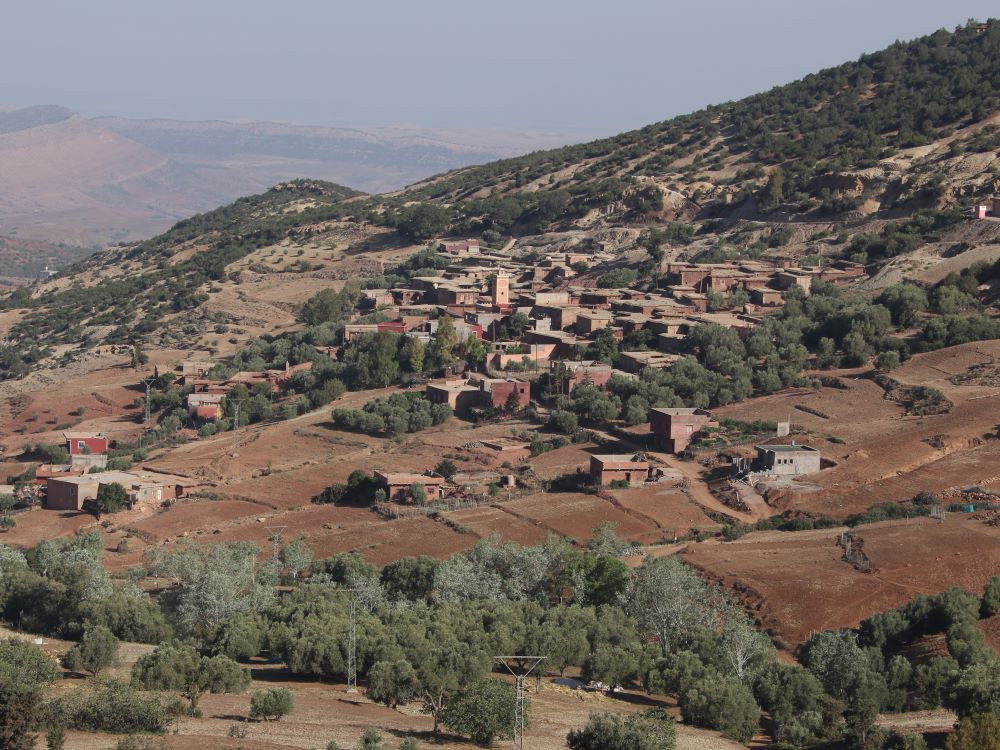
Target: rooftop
(787,448)
(103,477)
(393,477)
(618,458)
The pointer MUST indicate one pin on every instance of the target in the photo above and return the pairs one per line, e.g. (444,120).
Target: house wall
(675,432)
(795,464)
(500,391)
(93,445)
(634,477)
(599,376)
(87,461)
(61,495)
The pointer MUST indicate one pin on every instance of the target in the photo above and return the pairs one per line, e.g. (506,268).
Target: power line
(236,428)
(526,665)
(149,384)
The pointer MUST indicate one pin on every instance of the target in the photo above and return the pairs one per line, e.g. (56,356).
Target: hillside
(93,182)
(811,170)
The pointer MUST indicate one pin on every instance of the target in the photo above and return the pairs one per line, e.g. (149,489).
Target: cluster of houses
(481,290)
(71,486)
(204,403)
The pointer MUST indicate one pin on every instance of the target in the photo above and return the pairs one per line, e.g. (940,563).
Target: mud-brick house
(615,467)
(675,428)
(71,493)
(498,392)
(459,394)
(398,485)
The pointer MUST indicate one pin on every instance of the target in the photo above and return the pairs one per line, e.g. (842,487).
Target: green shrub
(270,703)
(109,706)
(482,712)
(96,650)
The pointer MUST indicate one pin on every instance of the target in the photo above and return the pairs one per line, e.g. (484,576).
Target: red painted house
(83,443)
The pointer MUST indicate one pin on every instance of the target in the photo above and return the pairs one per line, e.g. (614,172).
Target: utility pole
(148,384)
(520,667)
(236,428)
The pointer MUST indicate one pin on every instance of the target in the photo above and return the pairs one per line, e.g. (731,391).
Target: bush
(720,703)
(980,732)
(563,421)
(176,666)
(652,730)
(109,706)
(482,712)
(886,361)
(111,498)
(270,703)
(96,650)
(619,277)
(991,598)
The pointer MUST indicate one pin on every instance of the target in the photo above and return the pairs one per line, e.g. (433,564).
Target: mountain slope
(814,170)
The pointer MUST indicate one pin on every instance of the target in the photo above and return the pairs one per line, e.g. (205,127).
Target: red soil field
(667,507)
(797,583)
(487,520)
(576,514)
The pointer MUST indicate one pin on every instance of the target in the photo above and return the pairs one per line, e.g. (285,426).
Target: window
(81,444)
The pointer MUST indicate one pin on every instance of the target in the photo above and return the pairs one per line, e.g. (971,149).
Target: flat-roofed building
(619,467)
(398,486)
(460,395)
(70,493)
(787,460)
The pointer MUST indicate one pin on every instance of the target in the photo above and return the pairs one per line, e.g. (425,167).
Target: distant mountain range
(92,182)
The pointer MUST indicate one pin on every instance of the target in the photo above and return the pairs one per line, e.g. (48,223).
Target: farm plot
(575,515)
(797,583)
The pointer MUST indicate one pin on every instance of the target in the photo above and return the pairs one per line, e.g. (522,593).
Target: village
(535,322)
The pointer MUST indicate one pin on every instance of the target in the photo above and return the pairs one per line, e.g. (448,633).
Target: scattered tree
(270,704)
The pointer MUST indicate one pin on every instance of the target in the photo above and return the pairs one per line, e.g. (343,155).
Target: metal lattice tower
(352,641)
(352,649)
(276,532)
(520,667)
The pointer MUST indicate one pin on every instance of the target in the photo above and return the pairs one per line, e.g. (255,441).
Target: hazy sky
(576,66)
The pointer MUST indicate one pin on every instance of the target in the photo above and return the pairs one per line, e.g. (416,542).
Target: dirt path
(697,490)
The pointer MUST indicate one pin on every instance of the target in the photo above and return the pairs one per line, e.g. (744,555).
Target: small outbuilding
(787,460)
(397,485)
(619,467)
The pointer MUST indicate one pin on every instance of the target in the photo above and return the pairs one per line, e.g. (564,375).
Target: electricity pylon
(527,665)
